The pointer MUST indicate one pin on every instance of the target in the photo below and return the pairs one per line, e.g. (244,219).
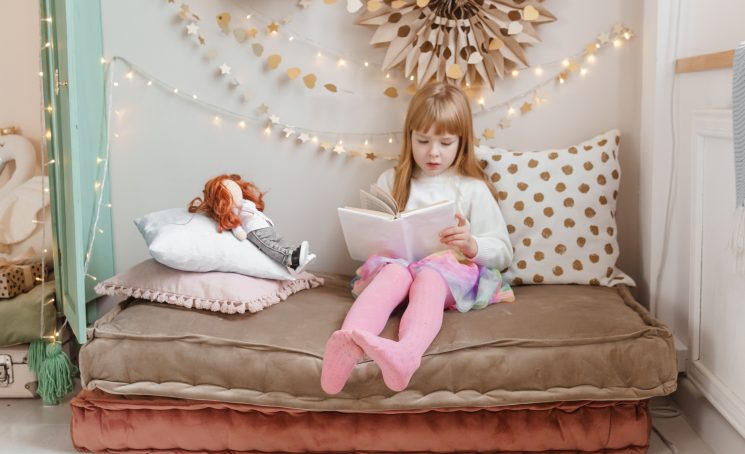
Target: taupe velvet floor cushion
(555,343)
(138,424)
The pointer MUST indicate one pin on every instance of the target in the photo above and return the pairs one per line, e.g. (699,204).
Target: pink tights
(398,360)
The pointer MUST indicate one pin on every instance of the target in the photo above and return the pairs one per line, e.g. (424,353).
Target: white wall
(168,147)
(20,84)
(677,29)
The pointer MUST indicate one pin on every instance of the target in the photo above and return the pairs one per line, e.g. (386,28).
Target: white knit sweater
(473,200)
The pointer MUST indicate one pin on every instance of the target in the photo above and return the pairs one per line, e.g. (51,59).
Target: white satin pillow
(190,242)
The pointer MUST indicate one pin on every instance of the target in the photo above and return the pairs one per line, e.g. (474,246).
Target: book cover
(380,228)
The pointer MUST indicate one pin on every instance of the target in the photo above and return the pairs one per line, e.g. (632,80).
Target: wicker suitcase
(16,379)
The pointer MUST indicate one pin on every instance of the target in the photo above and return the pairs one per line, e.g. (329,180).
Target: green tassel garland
(56,375)
(36,354)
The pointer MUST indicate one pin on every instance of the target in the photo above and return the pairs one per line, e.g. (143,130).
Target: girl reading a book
(437,163)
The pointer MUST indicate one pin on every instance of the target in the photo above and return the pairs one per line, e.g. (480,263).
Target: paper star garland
(224,69)
(304,3)
(303,137)
(192,28)
(272,28)
(339,149)
(274,119)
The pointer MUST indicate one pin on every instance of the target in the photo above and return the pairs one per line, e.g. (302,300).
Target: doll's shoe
(301,257)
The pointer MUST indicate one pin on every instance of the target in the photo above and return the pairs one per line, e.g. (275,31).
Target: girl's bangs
(443,117)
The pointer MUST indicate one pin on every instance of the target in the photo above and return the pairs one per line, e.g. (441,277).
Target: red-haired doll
(238,205)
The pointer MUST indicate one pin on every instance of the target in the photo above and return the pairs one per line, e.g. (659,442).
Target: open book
(379,227)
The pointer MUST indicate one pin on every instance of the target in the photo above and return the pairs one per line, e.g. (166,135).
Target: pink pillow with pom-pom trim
(229,293)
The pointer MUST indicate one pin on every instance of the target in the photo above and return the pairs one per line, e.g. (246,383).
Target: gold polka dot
(603,142)
(512,168)
(594,258)
(573,150)
(590,213)
(517,281)
(584,188)
(609,272)
(527,242)
(539,256)
(594,282)
(529,221)
(510,228)
(601,179)
(558,271)
(610,231)
(532,163)
(496,177)
(538,197)
(502,195)
(594,229)
(537,278)
(615,195)
(519,205)
(615,174)
(603,200)
(483,164)
(581,241)
(608,249)
(618,140)
(569,223)
(588,166)
(561,187)
(569,202)
(548,212)
(560,249)
(522,186)
(496,157)
(522,264)
(567,169)
(577,265)
(553,155)
(546,233)
(588,147)
(604,157)
(545,176)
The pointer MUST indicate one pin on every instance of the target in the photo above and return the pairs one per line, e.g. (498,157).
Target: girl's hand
(459,237)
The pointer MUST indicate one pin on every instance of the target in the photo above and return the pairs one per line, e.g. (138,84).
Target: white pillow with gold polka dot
(560,209)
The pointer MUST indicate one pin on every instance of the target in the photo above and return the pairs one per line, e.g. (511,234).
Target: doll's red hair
(218,203)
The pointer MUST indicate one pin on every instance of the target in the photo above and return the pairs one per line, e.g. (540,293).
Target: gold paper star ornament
(467,41)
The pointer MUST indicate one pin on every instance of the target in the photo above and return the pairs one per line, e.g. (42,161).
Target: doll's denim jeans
(270,243)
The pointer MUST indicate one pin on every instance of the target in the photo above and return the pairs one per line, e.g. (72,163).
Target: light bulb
(314,139)
(175,90)
(242,124)
(482,101)
(515,73)
(366,142)
(267,130)
(130,75)
(367,64)
(583,71)
(591,58)
(565,63)
(617,43)
(390,140)
(539,71)
(149,83)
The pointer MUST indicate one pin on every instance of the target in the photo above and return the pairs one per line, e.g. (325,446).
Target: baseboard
(708,423)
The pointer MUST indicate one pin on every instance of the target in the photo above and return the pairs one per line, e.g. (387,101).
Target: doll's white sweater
(473,200)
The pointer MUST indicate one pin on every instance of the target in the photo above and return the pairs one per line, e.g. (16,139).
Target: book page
(380,193)
(370,202)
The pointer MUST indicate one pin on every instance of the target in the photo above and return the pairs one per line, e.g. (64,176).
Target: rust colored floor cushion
(138,424)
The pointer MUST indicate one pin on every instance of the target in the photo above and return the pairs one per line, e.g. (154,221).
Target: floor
(26,426)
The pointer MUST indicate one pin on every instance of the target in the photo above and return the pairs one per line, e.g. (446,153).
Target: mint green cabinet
(75,122)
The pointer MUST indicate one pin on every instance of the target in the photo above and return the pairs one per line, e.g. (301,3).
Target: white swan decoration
(22,200)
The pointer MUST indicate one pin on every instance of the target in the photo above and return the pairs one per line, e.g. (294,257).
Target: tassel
(738,240)
(55,375)
(36,354)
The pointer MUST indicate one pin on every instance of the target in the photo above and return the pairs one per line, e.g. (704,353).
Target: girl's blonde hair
(447,109)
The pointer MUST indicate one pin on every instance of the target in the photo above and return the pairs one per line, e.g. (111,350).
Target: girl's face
(434,153)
